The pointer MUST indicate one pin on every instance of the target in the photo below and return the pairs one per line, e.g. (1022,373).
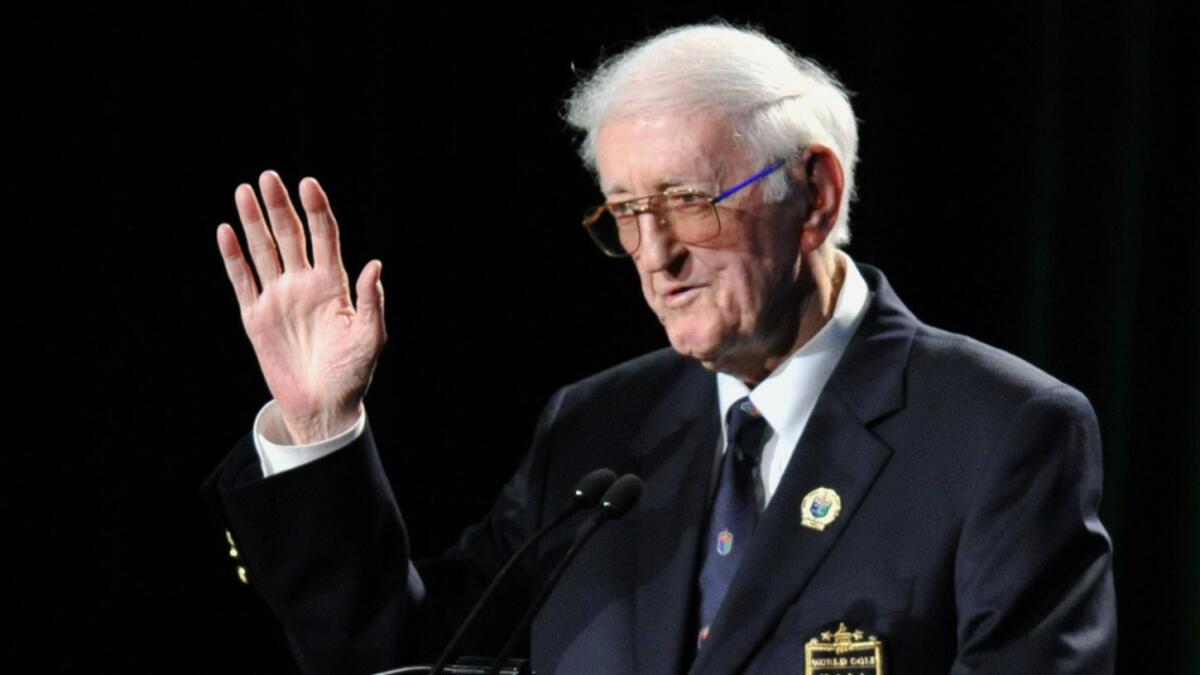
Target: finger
(236,268)
(258,236)
(289,231)
(321,223)
(369,289)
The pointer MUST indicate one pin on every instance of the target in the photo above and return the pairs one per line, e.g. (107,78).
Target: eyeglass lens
(691,218)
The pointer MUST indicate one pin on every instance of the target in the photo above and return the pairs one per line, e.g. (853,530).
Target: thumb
(370,295)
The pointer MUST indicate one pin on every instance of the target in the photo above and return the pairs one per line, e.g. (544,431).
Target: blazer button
(233,552)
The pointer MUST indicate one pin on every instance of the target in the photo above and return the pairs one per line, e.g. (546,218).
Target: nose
(658,248)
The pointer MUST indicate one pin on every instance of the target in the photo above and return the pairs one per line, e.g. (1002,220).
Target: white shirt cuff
(278,455)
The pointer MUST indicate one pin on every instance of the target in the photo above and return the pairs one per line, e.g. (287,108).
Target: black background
(1028,176)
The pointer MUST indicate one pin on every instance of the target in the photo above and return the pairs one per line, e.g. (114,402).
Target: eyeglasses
(690,214)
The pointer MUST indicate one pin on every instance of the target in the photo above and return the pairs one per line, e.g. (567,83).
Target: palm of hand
(304,335)
(317,351)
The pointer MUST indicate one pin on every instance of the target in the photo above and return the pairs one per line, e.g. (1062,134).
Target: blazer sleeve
(326,547)
(1033,576)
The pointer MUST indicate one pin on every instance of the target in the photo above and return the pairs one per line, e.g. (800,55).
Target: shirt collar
(788,394)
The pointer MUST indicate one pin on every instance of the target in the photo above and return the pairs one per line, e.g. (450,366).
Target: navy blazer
(968,540)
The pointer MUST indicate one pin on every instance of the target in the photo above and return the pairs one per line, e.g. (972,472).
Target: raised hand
(316,349)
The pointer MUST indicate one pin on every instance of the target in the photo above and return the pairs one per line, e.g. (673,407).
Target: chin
(697,342)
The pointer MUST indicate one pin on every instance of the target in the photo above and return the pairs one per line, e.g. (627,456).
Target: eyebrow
(666,182)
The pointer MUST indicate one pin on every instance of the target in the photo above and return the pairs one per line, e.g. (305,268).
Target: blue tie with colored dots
(734,511)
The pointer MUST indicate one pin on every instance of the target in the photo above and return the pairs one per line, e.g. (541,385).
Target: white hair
(776,100)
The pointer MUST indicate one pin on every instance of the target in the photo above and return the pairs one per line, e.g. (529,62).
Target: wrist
(309,429)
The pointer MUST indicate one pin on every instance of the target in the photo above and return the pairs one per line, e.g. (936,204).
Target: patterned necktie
(734,510)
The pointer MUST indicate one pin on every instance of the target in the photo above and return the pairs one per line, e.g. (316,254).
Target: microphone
(617,501)
(590,490)
(621,497)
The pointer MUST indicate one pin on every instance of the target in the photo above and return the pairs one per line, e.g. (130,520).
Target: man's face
(710,297)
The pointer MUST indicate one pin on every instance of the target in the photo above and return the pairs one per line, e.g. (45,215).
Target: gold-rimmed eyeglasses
(690,214)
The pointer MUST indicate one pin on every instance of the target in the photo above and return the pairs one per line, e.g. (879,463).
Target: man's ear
(817,178)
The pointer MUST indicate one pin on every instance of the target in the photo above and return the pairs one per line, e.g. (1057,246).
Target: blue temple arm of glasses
(749,180)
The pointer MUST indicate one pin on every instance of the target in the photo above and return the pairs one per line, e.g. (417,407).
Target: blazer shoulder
(635,375)
(627,389)
(970,370)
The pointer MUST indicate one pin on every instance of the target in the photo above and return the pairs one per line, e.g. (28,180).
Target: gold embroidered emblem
(843,652)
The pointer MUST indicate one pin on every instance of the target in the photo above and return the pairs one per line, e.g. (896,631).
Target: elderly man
(825,477)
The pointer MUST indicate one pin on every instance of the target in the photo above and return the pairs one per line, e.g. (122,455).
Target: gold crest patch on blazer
(843,652)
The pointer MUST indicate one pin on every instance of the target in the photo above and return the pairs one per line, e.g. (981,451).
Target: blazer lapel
(674,453)
(837,450)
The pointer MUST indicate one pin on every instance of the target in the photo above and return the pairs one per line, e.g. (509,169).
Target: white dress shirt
(786,397)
